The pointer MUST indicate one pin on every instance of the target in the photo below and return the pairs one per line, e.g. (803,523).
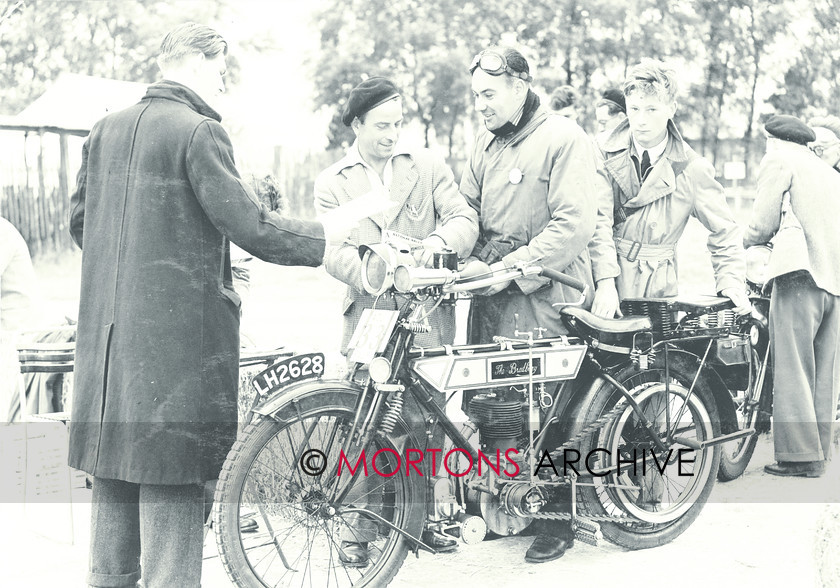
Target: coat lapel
(620,169)
(660,181)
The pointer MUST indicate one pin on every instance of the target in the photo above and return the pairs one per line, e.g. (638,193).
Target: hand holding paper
(339,221)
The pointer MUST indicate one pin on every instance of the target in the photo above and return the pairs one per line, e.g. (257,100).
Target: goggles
(495,64)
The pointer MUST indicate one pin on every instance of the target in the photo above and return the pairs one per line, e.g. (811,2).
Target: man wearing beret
(428,207)
(532,176)
(805,303)
(659,182)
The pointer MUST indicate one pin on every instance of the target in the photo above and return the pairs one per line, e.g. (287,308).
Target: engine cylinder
(496,419)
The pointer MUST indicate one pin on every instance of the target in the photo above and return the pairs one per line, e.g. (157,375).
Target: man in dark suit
(805,304)
(154,414)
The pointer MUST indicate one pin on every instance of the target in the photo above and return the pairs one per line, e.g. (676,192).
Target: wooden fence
(42,214)
(296,171)
(42,219)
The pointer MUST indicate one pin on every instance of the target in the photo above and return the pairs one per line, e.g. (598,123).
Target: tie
(644,166)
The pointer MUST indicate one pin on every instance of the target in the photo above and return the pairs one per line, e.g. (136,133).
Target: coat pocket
(231,295)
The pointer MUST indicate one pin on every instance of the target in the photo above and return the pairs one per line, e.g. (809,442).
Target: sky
(272,104)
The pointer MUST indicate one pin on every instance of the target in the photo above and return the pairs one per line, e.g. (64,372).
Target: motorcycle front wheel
(654,496)
(277,524)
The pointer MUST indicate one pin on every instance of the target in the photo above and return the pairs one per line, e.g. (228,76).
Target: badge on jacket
(515,175)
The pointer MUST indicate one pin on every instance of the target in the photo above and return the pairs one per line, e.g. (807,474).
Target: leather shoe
(439,542)
(547,548)
(353,555)
(802,469)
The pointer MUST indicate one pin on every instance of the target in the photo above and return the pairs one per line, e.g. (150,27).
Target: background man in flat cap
(532,177)
(428,207)
(805,303)
(610,111)
(658,182)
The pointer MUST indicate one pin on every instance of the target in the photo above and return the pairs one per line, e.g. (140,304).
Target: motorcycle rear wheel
(262,479)
(656,507)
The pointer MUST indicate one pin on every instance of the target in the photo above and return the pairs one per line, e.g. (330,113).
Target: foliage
(729,51)
(109,38)
(739,59)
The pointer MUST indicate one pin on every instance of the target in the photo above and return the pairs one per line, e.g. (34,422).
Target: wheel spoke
(296,506)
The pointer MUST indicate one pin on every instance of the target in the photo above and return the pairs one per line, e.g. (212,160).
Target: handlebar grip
(563,279)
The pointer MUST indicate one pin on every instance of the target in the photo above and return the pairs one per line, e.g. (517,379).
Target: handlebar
(563,279)
(407,278)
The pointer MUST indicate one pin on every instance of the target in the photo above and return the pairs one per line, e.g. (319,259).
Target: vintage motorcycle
(620,415)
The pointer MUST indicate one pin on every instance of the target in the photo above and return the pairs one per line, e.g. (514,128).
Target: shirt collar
(354,157)
(377,183)
(654,152)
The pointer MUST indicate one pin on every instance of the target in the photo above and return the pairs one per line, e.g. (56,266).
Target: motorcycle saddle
(615,326)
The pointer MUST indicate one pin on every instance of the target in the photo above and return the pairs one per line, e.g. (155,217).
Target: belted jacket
(650,217)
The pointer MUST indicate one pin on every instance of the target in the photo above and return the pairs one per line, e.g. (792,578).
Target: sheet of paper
(352,212)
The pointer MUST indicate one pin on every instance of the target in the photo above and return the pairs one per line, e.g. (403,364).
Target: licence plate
(288,371)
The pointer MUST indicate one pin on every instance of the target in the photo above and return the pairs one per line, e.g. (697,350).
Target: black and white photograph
(398,293)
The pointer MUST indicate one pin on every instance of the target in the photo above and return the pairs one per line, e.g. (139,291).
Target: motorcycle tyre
(604,400)
(226,518)
(733,467)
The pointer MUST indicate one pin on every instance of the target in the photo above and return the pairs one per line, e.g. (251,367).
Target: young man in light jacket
(659,182)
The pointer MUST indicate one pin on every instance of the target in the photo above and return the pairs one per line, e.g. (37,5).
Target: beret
(789,128)
(367,96)
(615,96)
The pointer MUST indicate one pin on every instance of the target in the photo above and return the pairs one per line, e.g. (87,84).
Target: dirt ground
(757,530)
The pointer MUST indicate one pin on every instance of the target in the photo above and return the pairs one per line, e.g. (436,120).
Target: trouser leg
(172,534)
(795,316)
(827,352)
(114,534)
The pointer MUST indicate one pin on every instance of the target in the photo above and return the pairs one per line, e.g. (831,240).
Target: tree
(421,46)
(109,38)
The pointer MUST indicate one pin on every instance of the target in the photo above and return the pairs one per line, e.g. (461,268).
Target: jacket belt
(633,250)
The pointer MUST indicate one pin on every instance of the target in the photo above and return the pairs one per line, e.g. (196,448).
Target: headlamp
(495,64)
(379,369)
(378,264)
(758,257)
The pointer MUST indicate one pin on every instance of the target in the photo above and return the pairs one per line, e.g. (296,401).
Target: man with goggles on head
(533,178)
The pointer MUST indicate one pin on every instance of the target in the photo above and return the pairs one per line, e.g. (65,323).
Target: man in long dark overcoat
(157,200)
